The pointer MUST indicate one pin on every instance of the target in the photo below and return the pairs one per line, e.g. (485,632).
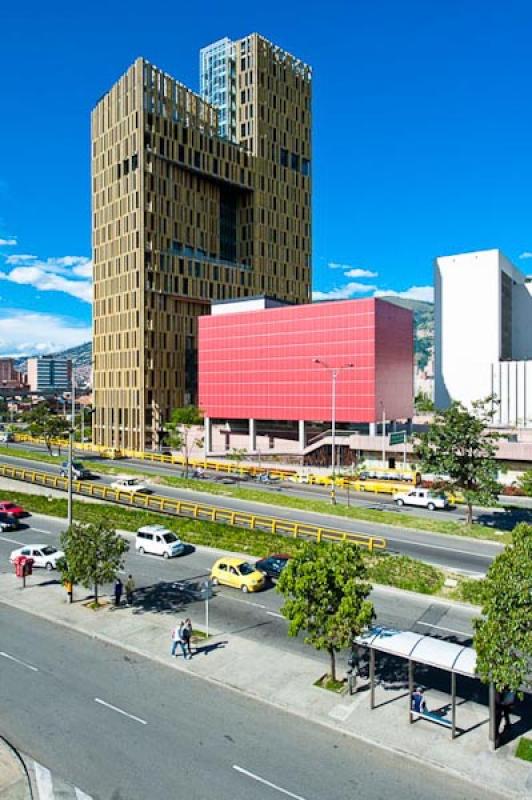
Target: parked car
(11,509)
(423,498)
(5,437)
(158,540)
(44,555)
(79,472)
(8,523)
(267,477)
(232,571)
(132,485)
(273,565)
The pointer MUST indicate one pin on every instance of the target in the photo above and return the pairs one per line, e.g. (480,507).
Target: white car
(423,498)
(132,485)
(44,555)
(158,540)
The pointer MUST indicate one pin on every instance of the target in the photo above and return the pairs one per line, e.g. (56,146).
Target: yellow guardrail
(159,458)
(201,511)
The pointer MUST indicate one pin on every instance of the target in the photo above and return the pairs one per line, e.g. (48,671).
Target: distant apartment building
(49,374)
(195,198)
(10,377)
(483,334)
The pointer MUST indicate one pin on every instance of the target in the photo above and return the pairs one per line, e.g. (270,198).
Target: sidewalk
(14,783)
(285,680)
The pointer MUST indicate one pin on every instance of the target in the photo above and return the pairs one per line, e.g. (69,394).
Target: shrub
(406,573)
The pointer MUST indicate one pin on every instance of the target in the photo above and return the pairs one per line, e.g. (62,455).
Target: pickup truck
(423,498)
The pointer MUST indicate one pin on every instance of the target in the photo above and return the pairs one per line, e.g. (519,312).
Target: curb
(294,712)
(18,757)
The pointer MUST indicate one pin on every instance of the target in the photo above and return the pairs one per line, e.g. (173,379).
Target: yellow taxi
(236,572)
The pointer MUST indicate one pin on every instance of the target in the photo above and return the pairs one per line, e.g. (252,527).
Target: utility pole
(334,371)
(383,435)
(71,447)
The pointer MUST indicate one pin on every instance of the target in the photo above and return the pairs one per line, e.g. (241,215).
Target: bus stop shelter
(416,648)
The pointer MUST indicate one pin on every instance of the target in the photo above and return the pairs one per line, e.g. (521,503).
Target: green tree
(459,448)
(503,635)
(237,454)
(93,553)
(179,429)
(423,403)
(44,424)
(525,482)
(326,591)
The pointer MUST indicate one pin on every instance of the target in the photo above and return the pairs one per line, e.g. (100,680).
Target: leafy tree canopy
(503,636)
(326,591)
(459,447)
(94,554)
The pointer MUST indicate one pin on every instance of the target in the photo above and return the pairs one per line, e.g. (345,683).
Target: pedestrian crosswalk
(49,786)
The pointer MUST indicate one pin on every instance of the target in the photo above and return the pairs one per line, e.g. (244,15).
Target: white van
(158,540)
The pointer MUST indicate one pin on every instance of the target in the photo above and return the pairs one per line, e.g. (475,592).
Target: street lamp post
(71,447)
(334,372)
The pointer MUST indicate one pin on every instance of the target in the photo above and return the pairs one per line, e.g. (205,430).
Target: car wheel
(399,502)
(165,554)
(141,551)
(49,566)
(244,588)
(431,507)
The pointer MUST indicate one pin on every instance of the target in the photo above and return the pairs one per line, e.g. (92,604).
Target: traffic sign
(399,437)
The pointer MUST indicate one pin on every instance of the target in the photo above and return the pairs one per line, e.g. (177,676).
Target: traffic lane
(360,499)
(256,616)
(155,730)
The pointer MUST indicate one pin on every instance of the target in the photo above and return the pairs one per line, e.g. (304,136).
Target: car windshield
(169,538)
(8,505)
(245,568)
(48,550)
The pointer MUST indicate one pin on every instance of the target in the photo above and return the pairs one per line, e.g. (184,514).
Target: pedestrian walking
(118,591)
(187,638)
(130,588)
(504,703)
(178,639)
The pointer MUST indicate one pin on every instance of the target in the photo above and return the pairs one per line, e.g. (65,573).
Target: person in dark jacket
(119,586)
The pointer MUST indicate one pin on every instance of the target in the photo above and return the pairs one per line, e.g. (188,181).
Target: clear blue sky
(422,135)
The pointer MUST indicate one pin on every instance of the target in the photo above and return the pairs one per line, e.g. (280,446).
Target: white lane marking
(267,783)
(43,779)
(274,614)
(41,530)
(18,661)
(120,711)
(81,795)
(11,541)
(447,630)
(241,600)
(443,547)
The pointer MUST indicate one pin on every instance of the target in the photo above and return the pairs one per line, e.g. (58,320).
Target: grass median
(252,494)
(400,572)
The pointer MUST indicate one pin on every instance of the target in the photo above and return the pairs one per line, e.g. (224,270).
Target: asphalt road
(254,616)
(124,728)
(455,553)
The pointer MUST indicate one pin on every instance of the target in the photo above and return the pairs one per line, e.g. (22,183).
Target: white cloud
(526,254)
(424,293)
(26,332)
(343,292)
(360,273)
(8,242)
(50,281)
(68,274)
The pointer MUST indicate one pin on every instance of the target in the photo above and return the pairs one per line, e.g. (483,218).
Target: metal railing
(200,511)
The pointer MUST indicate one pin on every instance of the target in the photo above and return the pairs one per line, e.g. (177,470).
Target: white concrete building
(483,334)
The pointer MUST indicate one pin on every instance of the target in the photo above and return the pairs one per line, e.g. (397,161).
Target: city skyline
(434,162)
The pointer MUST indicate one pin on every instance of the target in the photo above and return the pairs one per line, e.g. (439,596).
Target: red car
(11,509)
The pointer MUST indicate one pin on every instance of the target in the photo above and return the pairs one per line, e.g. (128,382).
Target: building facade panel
(262,364)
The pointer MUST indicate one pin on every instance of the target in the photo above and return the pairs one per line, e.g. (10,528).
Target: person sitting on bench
(418,704)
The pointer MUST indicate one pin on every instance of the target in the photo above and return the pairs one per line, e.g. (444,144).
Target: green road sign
(399,437)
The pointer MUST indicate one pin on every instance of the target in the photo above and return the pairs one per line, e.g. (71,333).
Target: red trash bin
(23,566)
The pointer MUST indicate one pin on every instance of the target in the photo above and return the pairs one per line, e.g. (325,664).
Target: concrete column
(394,425)
(302,440)
(409,427)
(372,428)
(207,436)
(252,436)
